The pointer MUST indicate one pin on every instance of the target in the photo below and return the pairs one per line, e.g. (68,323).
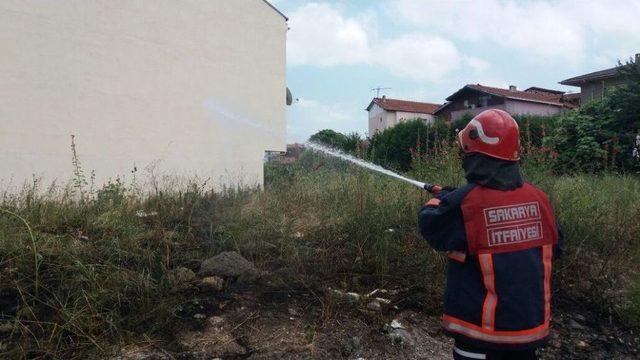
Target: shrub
(347,143)
(601,134)
(396,146)
(533,128)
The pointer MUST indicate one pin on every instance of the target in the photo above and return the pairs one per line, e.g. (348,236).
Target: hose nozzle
(432,188)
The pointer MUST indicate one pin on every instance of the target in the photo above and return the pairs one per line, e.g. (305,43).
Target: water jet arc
(367,165)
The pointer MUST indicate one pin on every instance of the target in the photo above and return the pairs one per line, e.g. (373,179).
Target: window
(484,100)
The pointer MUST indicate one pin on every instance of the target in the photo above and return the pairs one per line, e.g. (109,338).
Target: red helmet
(493,133)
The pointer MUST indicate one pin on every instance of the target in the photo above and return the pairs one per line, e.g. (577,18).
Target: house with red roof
(385,113)
(475,98)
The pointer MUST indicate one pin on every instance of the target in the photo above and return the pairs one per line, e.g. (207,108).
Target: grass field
(79,278)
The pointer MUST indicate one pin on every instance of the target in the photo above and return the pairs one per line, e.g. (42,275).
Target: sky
(425,50)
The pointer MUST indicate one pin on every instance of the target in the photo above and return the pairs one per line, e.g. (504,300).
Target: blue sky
(425,50)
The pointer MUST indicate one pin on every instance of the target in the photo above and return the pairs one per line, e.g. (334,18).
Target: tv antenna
(377,90)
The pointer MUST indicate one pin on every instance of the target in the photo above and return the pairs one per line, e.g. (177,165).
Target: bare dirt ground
(269,324)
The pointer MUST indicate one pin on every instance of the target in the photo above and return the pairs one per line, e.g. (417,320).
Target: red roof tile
(403,105)
(544,97)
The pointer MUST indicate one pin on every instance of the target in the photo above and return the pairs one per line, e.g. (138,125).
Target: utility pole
(377,90)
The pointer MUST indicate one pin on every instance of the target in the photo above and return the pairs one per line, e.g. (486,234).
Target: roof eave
(442,107)
(578,80)
(453,96)
(373,102)
(533,101)
(276,10)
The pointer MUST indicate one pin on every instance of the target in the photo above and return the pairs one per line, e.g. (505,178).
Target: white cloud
(535,28)
(321,36)
(539,30)
(417,56)
(476,63)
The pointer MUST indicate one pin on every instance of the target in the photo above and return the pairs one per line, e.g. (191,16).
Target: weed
(99,274)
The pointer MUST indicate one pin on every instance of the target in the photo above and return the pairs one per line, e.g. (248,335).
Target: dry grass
(80,277)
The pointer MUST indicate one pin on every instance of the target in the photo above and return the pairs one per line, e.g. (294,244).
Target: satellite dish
(289,97)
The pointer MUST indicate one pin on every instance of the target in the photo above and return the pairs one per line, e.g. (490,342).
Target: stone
(374,305)
(216,321)
(180,277)
(401,337)
(582,344)
(229,264)
(347,297)
(399,334)
(212,283)
(395,324)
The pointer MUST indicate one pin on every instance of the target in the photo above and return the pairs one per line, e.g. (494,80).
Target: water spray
(432,188)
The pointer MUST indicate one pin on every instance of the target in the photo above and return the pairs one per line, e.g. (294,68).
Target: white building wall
(455,115)
(184,88)
(515,107)
(402,116)
(380,119)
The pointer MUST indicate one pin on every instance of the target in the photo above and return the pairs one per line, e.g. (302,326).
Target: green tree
(347,143)
(397,146)
(601,134)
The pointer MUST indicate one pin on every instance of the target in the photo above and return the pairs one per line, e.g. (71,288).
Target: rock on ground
(229,264)
(212,283)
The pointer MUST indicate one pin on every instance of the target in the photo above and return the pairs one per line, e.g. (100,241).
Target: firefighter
(501,237)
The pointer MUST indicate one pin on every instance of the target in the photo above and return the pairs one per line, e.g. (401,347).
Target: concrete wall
(513,107)
(402,116)
(455,115)
(528,108)
(380,119)
(185,88)
(597,89)
(468,97)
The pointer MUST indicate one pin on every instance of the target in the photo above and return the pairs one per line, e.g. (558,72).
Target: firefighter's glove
(437,197)
(445,190)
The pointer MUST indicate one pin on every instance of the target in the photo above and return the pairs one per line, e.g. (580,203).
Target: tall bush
(601,134)
(347,143)
(395,147)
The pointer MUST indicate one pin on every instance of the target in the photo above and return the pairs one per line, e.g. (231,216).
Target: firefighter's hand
(437,197)
(445,190)
(433,202)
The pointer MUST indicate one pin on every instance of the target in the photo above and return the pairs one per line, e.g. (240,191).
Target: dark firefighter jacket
(501,237)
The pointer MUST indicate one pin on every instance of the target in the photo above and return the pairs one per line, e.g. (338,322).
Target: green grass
(78,278)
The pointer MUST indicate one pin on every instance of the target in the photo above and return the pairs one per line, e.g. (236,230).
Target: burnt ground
(261,324)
